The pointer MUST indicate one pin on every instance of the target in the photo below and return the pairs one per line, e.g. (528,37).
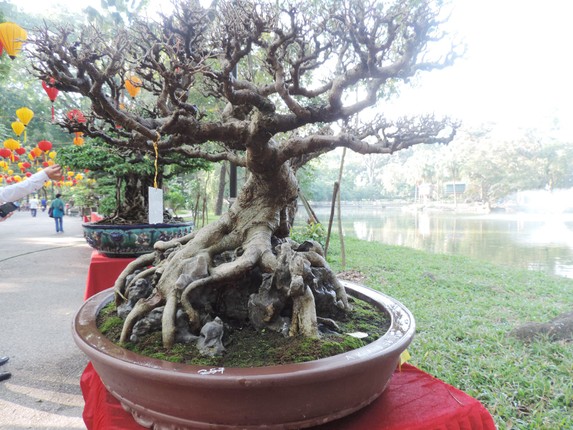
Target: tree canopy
(264,85)
(268,72)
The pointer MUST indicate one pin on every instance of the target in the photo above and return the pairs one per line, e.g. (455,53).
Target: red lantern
(52,92)
(5,153)
(28,174)
(44,145)
(76,116)
(26,165)
(45,164)
(20,151)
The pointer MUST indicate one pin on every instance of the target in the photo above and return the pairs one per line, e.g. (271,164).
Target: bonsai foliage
(265,87)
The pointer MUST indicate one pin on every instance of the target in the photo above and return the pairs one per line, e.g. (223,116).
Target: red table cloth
(413,400)
(103,272)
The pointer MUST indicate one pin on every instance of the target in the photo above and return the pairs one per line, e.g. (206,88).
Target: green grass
(464,311)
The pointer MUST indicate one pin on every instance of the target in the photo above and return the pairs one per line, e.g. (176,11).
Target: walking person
(4,375)
(16,191)
(34,206)
(57,207)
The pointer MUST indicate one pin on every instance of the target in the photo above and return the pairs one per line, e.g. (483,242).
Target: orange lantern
(12,36)
(133,86)
(36,152)
(78,140)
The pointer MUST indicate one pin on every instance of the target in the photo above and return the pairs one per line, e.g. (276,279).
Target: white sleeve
(13,192)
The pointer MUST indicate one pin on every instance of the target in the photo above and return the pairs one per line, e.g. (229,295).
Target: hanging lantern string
(156,158)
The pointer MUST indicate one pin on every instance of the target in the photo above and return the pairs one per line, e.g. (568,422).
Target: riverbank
(465,312)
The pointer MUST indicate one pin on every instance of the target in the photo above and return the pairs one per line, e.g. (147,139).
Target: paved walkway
(42,279)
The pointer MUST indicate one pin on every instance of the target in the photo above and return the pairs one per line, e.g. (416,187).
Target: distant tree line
(489,165)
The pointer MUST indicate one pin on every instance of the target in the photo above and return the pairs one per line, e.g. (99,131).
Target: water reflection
(541,242)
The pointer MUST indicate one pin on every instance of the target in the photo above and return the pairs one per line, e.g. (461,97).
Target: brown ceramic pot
(164,395)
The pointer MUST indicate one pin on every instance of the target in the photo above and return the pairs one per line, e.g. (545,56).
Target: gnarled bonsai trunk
(132,203)
(239,249)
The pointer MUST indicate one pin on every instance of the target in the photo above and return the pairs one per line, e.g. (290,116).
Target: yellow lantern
(79,177)
(25,115)
(52,154)
(11,144)
(17,178)
(12,36)
(18,127)
(133,86)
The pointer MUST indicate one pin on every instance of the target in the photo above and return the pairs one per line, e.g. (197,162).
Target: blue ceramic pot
(133,240)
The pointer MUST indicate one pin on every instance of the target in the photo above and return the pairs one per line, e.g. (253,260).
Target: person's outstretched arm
(16,191)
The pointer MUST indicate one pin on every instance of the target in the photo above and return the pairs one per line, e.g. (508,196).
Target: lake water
(533,241)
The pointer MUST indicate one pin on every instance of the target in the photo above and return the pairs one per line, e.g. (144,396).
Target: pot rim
(92,225)
(98,348)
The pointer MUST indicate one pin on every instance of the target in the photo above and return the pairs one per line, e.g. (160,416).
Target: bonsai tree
(265,87)
(131,173)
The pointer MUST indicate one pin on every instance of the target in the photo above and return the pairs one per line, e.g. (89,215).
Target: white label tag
(155,205)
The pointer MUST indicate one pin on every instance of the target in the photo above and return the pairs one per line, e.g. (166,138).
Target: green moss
(246,347)
(108,321)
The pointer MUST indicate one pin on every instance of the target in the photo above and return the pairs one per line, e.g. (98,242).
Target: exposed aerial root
(140,262)
(163,246)
(141,308)
(168,319)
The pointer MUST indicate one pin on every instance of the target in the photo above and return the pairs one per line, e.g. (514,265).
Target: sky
(516,72)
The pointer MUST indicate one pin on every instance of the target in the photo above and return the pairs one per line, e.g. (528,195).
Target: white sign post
(155,205)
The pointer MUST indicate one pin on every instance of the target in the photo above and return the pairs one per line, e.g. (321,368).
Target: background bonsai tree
(265,87)
(130,172)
